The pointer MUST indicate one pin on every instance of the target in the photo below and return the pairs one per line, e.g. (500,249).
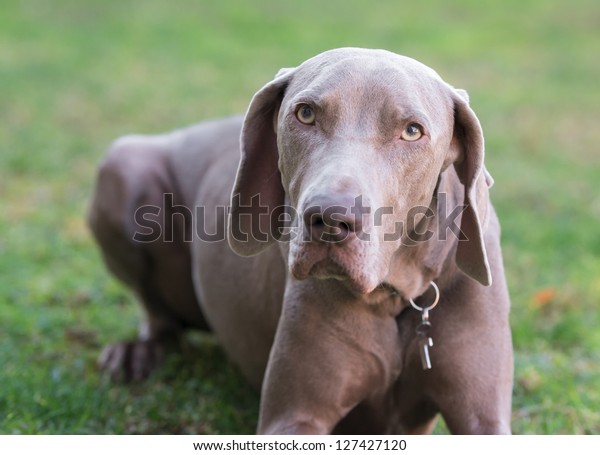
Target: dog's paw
(132,361)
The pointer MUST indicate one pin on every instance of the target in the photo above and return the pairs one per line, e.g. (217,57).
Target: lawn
(76,74)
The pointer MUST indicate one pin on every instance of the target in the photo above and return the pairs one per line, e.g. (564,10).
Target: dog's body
(321,321)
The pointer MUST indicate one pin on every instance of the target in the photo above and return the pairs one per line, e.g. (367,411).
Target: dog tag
(426,343)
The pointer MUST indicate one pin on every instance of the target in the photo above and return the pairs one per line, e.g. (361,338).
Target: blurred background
(76,74)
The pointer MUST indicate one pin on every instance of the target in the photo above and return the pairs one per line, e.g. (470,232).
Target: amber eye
(305,114)
(412,132)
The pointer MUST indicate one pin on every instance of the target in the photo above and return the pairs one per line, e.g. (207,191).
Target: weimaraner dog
(309,236)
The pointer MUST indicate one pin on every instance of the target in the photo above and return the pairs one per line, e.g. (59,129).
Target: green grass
(75,74)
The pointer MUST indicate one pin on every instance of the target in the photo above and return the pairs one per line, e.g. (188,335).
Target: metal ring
(432,306)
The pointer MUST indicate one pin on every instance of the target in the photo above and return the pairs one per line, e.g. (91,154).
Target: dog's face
(358,140)
(361,142)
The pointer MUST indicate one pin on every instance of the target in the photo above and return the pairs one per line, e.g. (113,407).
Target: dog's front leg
(329,354)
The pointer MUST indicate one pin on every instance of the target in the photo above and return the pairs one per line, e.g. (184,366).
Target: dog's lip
(330,269)
(386,287)
(326,264)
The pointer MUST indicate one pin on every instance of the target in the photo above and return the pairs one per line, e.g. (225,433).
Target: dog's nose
(333,219)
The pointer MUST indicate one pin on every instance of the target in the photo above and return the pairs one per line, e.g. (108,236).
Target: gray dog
(313,257)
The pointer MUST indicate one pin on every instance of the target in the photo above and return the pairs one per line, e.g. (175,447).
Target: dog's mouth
(353,267)
(328,268)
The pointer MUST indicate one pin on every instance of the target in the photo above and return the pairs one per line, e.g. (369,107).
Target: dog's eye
(305,114)
(412,132)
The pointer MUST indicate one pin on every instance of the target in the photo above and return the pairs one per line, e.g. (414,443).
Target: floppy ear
(258,196)
(471,256)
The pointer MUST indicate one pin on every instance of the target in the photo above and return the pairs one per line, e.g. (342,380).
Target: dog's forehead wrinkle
(346,66)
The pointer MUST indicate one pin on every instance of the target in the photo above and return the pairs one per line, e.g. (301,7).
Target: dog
(313,237)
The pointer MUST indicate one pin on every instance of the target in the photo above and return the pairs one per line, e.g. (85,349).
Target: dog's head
(342,157)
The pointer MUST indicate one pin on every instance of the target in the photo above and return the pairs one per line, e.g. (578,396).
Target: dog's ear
(471,256)
(258,196)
